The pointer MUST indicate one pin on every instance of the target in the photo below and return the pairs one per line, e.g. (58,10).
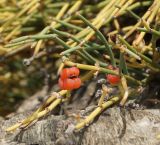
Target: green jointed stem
(133,49)
(103,39)
(151,31)
(68,25)
(123,65)
(65,34)
(145,58)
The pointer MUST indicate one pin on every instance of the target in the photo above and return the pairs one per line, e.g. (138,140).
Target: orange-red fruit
(113,79)
(69,79)
(69,84)
(69,73)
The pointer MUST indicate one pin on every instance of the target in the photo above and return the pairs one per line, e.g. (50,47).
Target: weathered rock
(113,127)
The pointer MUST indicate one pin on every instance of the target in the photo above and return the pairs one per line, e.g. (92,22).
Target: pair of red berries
(69,79)
(113,79)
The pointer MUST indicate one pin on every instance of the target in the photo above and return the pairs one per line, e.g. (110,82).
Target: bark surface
(113,127)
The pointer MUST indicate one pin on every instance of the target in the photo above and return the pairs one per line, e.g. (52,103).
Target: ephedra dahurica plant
(117,38)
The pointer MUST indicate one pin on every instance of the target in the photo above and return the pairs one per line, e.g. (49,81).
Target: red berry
(69,72)
(69,79)
(77,83)
(69,84)
(74,72)
(113,79)
(64,73)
